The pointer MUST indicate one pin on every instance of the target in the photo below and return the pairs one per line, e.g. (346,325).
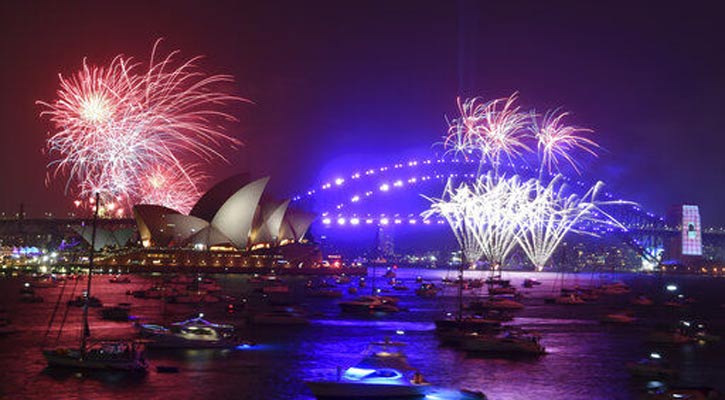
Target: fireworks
(172,189)
(114,124)
(557,140)
(452,207)
(493,214)
(498,130)
(548,214)
(488,130)
(485,215)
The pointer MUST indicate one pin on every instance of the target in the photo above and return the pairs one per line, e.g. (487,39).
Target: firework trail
(114,124)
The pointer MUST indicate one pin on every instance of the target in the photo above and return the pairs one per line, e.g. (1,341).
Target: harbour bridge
(392,196)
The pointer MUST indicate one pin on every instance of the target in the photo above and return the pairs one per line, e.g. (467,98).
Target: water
(585,360)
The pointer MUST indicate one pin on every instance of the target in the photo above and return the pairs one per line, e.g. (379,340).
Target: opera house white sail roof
(232,213)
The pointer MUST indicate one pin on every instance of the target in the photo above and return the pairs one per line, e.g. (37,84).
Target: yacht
(510,342)
(383,373)
(122,356)
(192,333)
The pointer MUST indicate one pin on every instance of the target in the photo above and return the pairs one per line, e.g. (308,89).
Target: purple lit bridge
(390,196)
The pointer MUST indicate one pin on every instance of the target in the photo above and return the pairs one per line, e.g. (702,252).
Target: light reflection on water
(585,359)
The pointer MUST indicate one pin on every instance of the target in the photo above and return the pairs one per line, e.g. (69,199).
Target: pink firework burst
(171,188)
(557,141)
(488,129)
(113,124)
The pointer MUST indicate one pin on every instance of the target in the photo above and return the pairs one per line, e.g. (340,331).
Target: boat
(530,282)
(119,355)
(467,323)
(192,333)
(383,373)
(570,299)
(651,367)
(697,331)
(684,393)
(509,342)
(389,273)
(427,290)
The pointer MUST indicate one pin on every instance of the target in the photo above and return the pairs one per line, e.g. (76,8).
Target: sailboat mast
(86,330)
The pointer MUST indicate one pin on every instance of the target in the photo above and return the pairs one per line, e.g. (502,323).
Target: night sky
(346,84)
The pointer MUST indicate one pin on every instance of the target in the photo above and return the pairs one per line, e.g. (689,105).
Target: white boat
(192,333)
(383,373)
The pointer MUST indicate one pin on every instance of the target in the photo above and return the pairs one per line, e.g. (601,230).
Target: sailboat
(114,355)
(459,321)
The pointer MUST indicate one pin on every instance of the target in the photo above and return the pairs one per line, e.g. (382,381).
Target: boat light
(400,332)
(655,356)
(671,288)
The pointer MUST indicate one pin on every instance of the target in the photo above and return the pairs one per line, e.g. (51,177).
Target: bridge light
(326,221)
(355,199)
(384,221)
(354,221)
(384,187)
(339,181)
(341,221)
(398,183)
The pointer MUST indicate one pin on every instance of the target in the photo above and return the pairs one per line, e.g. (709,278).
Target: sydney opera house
(234,225)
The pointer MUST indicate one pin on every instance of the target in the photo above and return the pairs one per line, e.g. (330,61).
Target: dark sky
(362,81)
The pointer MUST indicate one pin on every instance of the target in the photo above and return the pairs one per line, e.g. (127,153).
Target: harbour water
(584,360)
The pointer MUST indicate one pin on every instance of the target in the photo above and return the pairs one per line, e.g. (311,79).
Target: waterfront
(585,359)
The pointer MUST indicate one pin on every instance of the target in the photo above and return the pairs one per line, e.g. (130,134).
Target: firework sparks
(548,215)
(114,124)
(172,189)
(489,130)
(556,140)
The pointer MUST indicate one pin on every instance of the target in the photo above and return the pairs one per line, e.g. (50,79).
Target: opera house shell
(234,224)
(234,213)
